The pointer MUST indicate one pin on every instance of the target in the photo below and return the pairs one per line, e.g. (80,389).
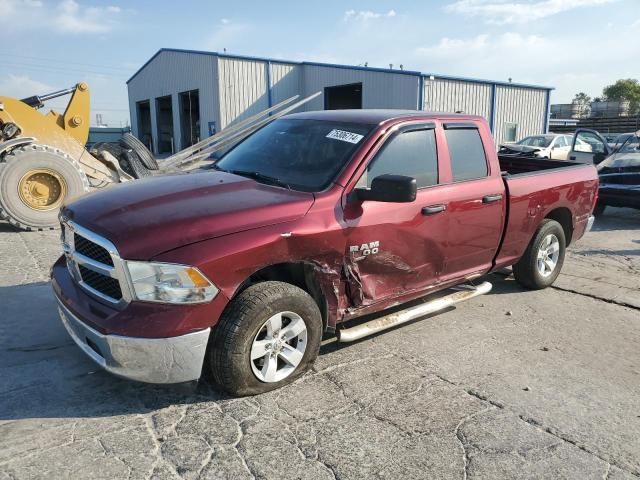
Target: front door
(396,248)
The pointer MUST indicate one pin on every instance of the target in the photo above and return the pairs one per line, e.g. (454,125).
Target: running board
(404,316)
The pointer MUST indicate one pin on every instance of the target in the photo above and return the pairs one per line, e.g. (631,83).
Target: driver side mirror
(389,188)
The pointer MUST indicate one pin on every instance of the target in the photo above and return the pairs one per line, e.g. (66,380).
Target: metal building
(181,96)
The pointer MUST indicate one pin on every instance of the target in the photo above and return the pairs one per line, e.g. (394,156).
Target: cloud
(530,58)
(65,17)
(229,35)
(483,47)
(365,15)
(522,11)
(22,86)
(225,21)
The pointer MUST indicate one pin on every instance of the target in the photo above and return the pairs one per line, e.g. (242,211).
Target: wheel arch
(302,274)
(564,217)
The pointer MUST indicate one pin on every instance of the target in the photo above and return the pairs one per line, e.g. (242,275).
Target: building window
(510,132)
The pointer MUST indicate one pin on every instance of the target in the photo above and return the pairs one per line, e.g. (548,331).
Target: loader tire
(132,143)
(35,181)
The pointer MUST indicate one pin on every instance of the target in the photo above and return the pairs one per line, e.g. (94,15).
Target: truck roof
(375,116)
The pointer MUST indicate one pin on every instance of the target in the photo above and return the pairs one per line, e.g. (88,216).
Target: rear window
(466,151)
(302,154)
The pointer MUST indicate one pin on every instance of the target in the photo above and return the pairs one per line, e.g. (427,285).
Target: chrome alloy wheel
(278,347)
(548,255)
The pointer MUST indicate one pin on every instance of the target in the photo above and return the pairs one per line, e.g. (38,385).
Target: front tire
(267,337)
(542,261)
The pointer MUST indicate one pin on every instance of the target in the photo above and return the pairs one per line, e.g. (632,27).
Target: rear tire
(130,142)
(35,181)
(542,261)
(243,330)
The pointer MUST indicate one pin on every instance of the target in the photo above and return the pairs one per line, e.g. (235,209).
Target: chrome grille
(92,250)
(105,285)
(94,263)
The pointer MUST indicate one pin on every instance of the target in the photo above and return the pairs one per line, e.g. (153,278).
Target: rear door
(476,204)
(588,147)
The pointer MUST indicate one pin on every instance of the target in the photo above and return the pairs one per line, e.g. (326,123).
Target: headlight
(169,283)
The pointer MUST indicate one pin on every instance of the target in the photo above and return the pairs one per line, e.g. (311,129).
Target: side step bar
(404,316)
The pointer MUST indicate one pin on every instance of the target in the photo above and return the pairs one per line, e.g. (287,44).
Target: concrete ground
(515,384)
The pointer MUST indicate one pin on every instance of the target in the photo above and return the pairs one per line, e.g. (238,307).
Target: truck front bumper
(152,360)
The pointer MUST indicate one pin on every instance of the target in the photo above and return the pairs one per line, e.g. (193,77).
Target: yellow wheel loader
(43,162)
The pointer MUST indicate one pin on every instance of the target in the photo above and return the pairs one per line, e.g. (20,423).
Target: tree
(582,98)
(584,104)
(625,89)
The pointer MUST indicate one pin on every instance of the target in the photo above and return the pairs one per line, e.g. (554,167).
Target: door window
(411,153)
(589,142)
(466,151)
(560,142)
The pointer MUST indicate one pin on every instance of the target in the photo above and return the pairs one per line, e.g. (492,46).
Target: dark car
(620,176)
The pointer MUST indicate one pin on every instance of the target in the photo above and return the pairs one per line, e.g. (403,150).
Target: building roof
(373,116)
(426,76)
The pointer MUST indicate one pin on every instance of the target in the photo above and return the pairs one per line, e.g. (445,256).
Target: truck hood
(151,216)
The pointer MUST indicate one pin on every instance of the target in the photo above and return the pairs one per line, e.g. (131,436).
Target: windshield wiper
(260,177)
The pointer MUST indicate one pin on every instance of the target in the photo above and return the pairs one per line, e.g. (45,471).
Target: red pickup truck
(314,220)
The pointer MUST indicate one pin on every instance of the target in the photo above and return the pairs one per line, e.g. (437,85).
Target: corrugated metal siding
(234,88)
(171,73)
(243,88)
(441,95)
(286,81)
(525,107)
(379,89)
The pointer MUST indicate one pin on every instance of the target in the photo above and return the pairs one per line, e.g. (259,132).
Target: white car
(553,146)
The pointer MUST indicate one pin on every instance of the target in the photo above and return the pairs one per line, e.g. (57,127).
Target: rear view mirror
(389,188)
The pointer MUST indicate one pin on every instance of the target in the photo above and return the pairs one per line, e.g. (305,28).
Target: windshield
(537,141)
(300,154)
(632,145)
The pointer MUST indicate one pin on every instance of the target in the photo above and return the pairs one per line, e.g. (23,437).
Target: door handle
(492,198)
(433,209)
(572,157)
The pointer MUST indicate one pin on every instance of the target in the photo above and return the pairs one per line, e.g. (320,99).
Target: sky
(572,45)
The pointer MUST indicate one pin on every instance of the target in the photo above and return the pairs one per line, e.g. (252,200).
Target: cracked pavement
(514,384)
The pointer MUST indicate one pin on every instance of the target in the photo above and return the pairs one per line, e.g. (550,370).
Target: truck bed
(513,165)
(538,187)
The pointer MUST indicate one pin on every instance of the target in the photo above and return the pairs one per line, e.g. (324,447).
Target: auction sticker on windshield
(344,136)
